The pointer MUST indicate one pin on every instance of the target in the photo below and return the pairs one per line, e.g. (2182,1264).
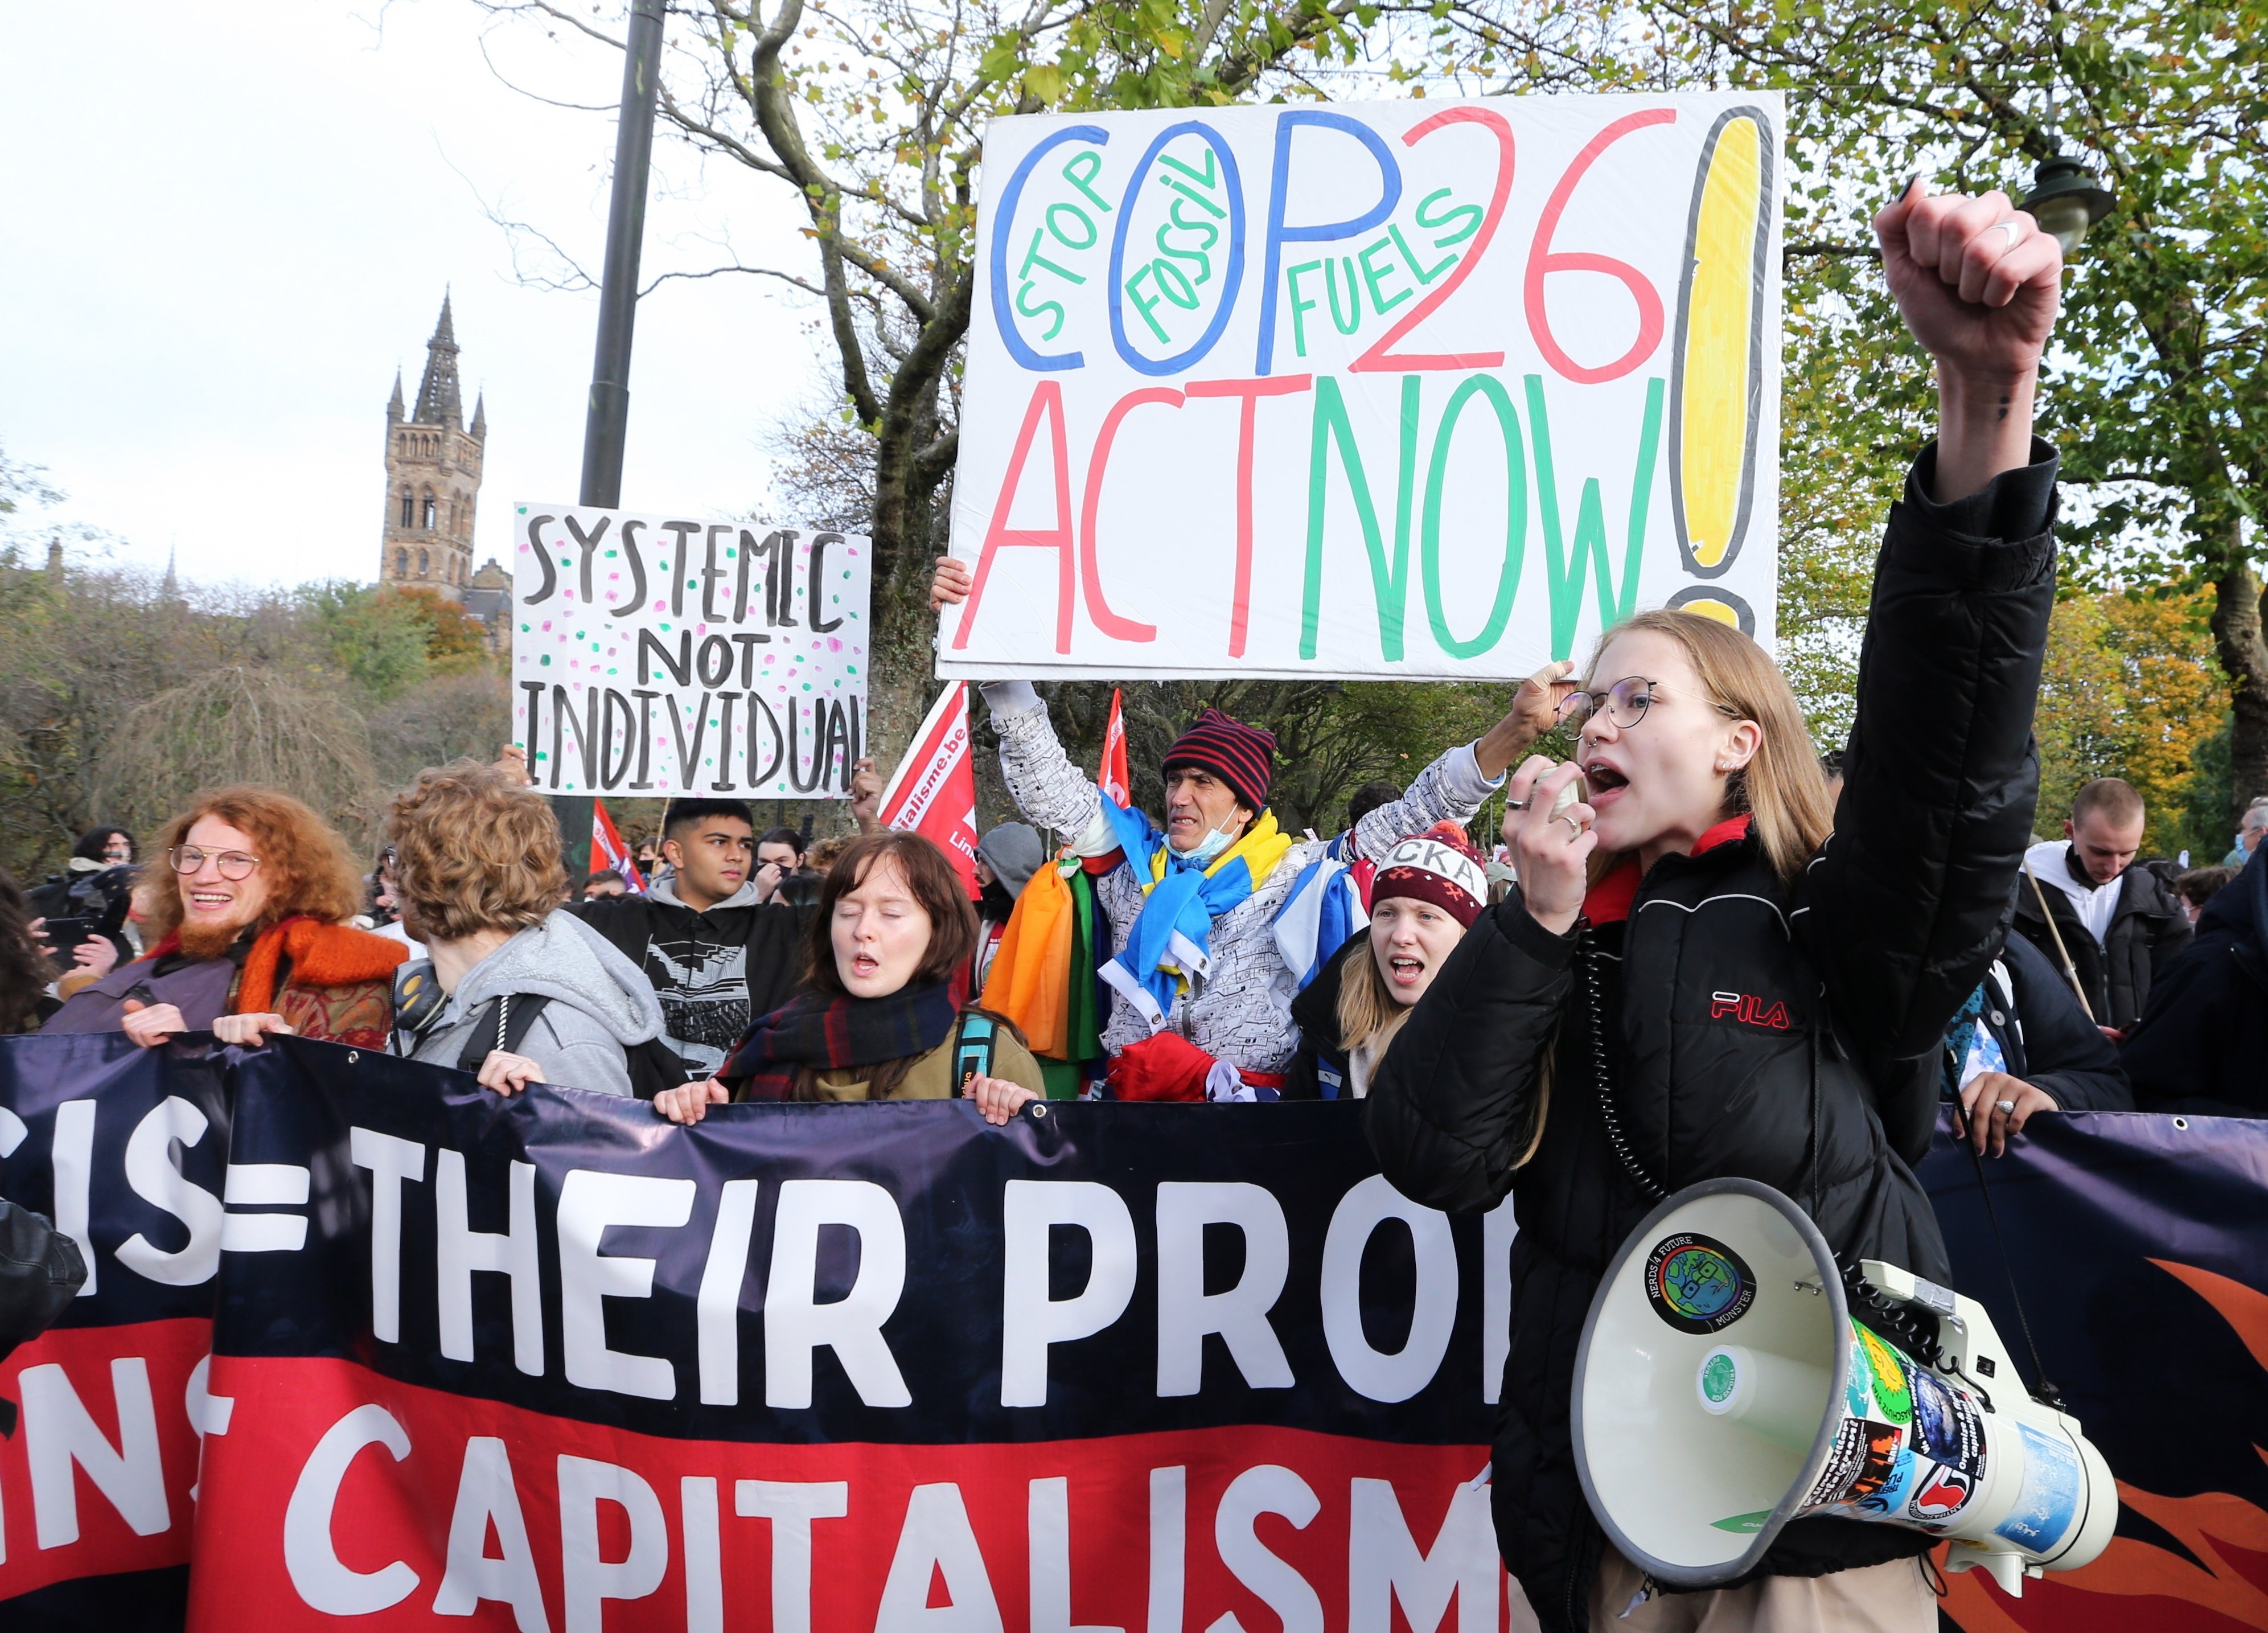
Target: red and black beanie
(1243,756)
(1439,866)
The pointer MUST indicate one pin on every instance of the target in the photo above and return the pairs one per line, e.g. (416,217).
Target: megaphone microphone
(1725,1387)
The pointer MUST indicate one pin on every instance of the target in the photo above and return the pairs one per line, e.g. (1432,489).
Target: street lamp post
(606,422)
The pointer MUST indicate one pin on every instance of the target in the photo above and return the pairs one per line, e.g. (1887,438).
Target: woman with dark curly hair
(253,938)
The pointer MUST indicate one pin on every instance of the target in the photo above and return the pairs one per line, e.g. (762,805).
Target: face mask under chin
(1209,848)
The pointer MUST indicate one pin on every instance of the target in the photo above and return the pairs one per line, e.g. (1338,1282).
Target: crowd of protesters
(2123,982)
(1856,945)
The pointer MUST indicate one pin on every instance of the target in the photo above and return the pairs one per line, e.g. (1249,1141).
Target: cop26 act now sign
(1406,388)
(657,656)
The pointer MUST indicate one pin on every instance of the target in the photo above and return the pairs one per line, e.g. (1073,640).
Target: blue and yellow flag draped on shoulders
(1167,945)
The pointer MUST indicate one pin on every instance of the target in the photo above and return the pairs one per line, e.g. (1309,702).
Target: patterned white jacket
(1241,1011)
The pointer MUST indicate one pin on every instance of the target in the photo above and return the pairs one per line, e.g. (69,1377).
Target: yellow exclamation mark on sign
(1717,388)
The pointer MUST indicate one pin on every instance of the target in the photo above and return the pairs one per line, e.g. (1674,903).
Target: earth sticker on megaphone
(1697,1284)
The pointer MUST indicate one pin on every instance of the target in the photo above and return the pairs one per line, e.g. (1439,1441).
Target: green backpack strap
(975,1039)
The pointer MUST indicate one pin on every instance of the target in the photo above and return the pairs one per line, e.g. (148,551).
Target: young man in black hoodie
(2110,923)
(718,956)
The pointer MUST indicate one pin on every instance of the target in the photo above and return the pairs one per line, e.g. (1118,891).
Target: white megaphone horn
(1724,1388)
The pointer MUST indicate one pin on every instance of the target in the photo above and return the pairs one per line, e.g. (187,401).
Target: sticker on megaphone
(1765,1402)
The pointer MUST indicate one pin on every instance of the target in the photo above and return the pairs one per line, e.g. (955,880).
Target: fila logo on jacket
(1748,1010)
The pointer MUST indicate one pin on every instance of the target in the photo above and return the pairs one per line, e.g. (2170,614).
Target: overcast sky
(222,226)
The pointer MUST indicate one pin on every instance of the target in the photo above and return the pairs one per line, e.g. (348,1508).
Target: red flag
(933,791)
(1113,777)
(608,851)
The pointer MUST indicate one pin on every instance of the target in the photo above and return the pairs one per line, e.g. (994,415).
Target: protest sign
(655,656)
(1388,389)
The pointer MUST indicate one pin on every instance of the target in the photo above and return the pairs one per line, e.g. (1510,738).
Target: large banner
(1406,388)
(2140,1246)
(549,1359)
(551,1363)
(655,656)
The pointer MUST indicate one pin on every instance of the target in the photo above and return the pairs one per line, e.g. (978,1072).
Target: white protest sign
(1411,389)
(655,655)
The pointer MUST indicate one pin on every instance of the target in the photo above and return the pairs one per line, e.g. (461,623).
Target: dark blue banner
(2139,1246)
(549,1362)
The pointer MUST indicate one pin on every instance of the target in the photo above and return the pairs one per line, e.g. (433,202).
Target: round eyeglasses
(1624,703)
(234,865)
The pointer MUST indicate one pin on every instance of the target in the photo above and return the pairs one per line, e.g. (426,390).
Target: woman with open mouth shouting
(1426,893)
(1694,980)
(877,1019)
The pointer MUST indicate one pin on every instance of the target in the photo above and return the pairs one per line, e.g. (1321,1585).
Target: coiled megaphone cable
(1586,961)
(2047,1392)
(1892,1319)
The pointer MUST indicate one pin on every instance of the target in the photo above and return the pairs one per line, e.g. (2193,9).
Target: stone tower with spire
(432,476)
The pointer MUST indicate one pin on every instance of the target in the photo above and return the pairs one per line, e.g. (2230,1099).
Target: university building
(433,489)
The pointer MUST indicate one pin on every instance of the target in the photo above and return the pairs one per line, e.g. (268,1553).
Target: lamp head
(2066,201)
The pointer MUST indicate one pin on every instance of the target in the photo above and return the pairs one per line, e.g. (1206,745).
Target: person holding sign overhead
(1695,979)
(1203,994)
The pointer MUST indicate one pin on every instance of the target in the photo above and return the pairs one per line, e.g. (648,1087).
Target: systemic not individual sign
(1402,389)
(659,655)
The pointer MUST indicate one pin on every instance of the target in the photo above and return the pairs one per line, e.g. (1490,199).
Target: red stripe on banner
(95,1479)
(343,1492)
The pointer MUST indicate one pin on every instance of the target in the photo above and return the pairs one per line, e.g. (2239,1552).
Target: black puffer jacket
(2149,928)
(1825,1086)
(2203,1044)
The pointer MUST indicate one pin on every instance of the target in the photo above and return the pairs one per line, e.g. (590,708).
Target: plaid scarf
(820,1033)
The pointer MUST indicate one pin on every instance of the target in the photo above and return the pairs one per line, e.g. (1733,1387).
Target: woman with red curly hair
(253,939)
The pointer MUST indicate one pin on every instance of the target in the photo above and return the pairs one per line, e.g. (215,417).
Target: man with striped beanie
(1202,1003)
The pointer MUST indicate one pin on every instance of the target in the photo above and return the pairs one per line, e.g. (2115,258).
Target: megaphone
(1726,1386)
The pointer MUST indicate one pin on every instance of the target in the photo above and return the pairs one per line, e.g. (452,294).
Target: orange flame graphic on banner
(2136,1584)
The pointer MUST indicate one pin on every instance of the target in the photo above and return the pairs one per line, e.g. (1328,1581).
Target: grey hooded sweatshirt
(601,1005)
